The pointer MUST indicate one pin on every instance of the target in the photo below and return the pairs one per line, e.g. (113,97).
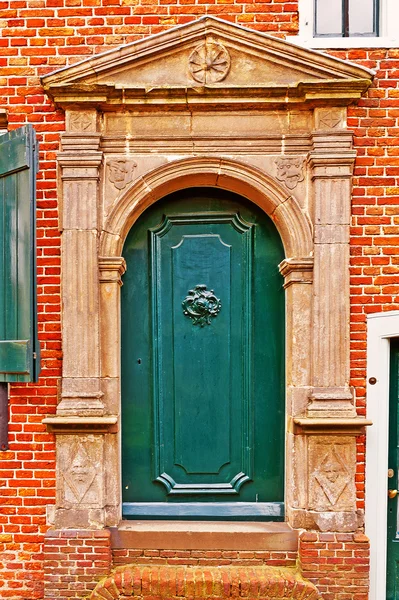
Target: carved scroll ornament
(201,305)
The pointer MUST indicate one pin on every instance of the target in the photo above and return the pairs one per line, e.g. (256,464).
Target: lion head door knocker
(201,305)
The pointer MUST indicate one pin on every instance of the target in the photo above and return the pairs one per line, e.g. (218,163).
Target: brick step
(174,582)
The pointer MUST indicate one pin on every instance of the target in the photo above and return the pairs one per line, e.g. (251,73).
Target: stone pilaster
(324,456)
(298,277)
(80,161)
(111,271)
(331,163)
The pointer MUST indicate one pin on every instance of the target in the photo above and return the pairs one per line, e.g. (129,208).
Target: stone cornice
(81,425)
(310,94)
(332,426)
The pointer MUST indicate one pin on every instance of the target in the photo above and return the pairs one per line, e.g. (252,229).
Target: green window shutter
(19,347)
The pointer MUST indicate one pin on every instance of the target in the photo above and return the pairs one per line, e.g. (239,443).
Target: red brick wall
(74,561)
(27,476)
(337,564)
(375,213)
(204,557)
(39,36)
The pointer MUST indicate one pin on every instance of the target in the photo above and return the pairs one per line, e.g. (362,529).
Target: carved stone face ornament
(120,172)
(80,475)
(332,476)
(79,470)
(289,170)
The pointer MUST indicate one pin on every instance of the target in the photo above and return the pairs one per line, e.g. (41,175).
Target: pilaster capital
(333,140)
(111,269)
(80,142)
(72,425)
(330,426)
(332,154)
(297,270)
(75,165)
(334,164)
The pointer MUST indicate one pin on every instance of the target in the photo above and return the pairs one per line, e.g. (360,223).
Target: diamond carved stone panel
(80,466)
(332,466)
(81,121)
(330,118)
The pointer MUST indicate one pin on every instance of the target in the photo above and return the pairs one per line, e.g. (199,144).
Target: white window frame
(389,28)
(381,328)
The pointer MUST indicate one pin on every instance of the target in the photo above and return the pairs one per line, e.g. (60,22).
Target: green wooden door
(393,482)
(203,361)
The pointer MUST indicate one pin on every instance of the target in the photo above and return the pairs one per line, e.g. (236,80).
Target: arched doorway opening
(203,386)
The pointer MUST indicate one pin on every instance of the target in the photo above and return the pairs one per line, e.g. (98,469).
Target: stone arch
(179,582)
(250,182)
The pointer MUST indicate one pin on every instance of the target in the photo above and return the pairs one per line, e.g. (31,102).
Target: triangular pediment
(212,57)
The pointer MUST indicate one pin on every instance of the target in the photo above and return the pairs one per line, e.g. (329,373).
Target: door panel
(393,482)
(202,359)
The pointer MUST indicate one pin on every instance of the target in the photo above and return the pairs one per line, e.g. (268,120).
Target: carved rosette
(209,62)
(201,305)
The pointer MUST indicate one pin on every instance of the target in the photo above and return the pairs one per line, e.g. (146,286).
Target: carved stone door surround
(208,104)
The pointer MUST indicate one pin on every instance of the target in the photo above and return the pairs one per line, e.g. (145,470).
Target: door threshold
(205,535)
(208,511)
